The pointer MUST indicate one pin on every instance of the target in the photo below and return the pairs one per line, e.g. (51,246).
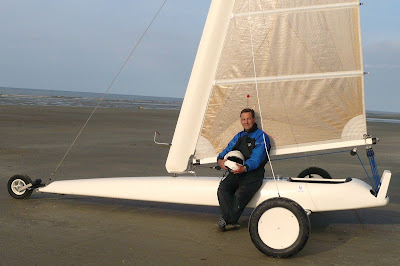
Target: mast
(199,86)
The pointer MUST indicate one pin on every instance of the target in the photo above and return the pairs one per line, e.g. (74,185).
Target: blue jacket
(258,154)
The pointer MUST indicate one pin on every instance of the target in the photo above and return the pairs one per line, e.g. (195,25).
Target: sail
(298,64)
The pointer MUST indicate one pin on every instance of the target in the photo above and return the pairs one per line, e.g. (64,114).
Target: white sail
(305,59)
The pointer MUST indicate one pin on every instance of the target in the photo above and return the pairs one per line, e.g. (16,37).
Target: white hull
(311,195)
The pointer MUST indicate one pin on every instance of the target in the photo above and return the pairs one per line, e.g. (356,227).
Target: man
(238,188)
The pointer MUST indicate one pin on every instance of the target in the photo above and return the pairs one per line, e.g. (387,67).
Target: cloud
(381,55)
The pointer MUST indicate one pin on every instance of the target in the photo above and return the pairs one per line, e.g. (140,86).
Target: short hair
(248,110)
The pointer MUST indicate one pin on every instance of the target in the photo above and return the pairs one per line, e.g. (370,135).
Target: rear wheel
(279,227)
(314,172)
(14,185)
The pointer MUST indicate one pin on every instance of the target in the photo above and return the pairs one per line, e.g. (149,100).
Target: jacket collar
(254,128)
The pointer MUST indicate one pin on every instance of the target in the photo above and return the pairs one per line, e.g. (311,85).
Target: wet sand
(51,229)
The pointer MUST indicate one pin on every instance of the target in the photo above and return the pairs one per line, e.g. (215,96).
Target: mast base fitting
(37,184)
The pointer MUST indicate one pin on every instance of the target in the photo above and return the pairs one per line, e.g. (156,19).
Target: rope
(108,88)
(258,100)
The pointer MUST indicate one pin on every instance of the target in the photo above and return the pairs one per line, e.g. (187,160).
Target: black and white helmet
(233,157)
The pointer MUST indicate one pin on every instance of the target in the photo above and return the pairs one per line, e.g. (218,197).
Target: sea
(20,96)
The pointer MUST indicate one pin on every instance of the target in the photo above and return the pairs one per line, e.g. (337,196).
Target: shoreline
(369,114)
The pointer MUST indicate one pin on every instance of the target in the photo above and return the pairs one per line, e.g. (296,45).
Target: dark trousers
(236,191)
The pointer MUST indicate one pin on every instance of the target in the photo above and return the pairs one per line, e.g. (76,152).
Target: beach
(49,229)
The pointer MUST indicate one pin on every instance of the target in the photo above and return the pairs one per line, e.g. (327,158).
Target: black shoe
(234,226)
(221,224)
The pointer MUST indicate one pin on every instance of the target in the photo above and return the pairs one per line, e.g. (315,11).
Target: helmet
(232,158)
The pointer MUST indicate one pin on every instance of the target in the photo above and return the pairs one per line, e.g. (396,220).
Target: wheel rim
(16,185)
(278,228)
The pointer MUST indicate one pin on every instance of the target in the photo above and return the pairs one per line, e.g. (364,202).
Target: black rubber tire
(24,179)
(313,171)
(296,210)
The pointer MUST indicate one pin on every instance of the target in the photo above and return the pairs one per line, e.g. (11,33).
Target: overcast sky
(81,45)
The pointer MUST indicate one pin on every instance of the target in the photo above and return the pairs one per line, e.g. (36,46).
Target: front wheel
(14,185)
(279,227)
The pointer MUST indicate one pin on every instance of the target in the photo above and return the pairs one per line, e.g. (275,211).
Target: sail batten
(339,74)
(297,9)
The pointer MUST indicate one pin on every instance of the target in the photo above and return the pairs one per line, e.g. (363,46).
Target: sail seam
(269,79)
(298,9)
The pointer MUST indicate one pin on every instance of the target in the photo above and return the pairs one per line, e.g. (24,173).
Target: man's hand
(241,169)
(221,164)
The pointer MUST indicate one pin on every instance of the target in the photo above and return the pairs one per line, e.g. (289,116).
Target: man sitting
(238,188)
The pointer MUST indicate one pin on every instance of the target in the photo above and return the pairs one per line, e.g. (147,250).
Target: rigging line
(280,92)
(365,170)
(258,100)
(275,70)
(108,88)
(279,87)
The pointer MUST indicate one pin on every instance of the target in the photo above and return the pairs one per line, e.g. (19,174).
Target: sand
(53,229)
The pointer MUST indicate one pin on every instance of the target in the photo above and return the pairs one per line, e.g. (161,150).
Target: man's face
(247,121)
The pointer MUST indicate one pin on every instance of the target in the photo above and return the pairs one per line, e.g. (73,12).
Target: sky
(80,45)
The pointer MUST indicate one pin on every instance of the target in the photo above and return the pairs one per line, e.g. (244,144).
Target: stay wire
(258,101)
(108,89)
(365,170)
